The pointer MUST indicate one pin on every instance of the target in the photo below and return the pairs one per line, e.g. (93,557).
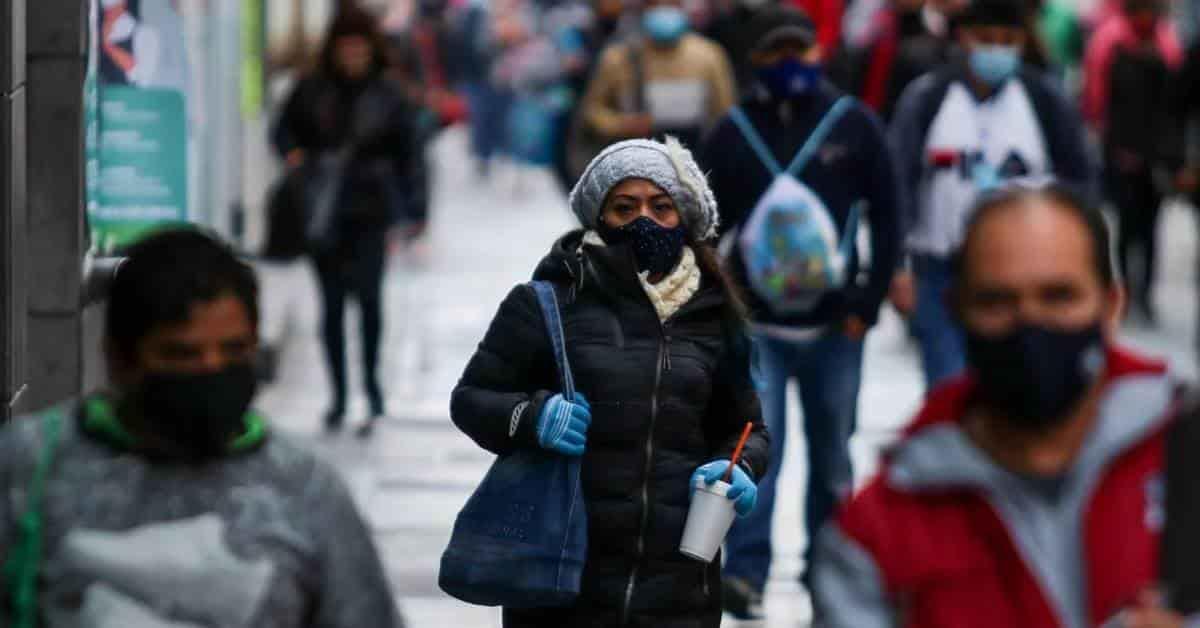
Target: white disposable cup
(708,521)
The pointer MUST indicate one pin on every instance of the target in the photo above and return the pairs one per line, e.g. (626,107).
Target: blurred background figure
(544,63)
(963,130)
(351,143)
(794,112)
(669,80)
(1130,65)
(1062,34)
(908,38)
(729,27)
(1184,108)
(487,103)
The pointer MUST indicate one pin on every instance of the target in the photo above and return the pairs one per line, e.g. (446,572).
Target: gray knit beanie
(668,165)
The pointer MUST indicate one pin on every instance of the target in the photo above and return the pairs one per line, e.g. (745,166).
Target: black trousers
(353,271)
(1138,200)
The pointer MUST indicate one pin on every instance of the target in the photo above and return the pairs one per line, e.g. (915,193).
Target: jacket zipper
(664,364)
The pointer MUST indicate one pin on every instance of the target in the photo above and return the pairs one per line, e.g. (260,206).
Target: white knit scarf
(675,290)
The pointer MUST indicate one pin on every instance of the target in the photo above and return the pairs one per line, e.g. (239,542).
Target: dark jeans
(1137,200)
(356,271)
(829,371)
(943,349)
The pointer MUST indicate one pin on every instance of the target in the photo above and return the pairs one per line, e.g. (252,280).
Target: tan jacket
(695,77)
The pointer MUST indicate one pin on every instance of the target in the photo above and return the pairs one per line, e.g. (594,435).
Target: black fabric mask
(1035,374)
(199,413)
(657,248)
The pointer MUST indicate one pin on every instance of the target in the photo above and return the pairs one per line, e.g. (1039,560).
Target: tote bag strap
(548,301)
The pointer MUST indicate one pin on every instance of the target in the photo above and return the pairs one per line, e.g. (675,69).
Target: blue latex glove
(742,491)
(562,426)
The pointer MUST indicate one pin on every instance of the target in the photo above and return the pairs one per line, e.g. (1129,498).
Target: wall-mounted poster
(140,126)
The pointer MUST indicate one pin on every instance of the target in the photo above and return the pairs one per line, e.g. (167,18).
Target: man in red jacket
(1028,493)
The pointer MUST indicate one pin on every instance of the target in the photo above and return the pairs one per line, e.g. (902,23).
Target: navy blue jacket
(854,164)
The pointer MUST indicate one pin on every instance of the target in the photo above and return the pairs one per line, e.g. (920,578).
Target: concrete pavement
(413,476)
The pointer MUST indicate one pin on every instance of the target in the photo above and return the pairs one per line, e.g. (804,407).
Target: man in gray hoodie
(167,503)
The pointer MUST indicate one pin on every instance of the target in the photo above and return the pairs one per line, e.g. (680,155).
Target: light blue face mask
(994,64)
(665,25)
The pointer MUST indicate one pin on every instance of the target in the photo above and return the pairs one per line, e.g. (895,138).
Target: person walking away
(964,129)
(166,500)
(1128,71)
(820,345)
(353,136)
(1029,492)
(668,81)
(661,364)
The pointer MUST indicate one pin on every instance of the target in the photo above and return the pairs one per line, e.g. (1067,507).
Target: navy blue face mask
(790,78)
(657,248)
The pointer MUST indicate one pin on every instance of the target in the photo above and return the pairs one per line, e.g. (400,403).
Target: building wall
(12,203)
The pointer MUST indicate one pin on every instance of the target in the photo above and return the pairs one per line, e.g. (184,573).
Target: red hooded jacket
(944,538)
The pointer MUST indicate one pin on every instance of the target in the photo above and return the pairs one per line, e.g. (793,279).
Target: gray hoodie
(268,538)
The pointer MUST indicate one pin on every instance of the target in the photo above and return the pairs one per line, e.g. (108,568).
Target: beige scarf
(675,290)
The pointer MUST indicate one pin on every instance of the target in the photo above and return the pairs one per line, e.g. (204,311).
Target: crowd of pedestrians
(752,181)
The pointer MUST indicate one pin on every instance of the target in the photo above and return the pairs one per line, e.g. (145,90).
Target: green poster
(142,164)
(252,58)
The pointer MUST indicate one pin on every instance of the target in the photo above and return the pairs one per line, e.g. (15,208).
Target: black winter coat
(384,183)
(665,398)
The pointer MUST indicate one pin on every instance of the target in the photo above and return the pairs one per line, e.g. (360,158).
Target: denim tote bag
(521,539)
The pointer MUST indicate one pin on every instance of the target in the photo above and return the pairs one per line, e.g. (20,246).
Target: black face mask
(201,414)
(657,248)
(1036,374)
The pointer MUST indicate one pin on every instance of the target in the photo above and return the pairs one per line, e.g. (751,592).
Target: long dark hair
(735,316)
(352,21)
(710,264)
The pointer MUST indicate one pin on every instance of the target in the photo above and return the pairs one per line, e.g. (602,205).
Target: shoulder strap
(820,134)
(26,558)
(548,301)
(738,116)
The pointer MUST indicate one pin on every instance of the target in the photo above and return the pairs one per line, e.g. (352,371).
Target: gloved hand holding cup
(721,491)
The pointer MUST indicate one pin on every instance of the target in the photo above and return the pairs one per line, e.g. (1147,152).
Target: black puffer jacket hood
(666,398)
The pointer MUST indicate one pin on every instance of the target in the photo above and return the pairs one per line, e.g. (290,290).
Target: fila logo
(964,161)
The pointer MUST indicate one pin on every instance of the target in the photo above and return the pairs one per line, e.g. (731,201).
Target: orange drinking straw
(737,452)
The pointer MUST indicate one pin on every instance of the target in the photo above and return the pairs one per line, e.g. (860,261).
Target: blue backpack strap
(548,301)
(820,134)
(755,140)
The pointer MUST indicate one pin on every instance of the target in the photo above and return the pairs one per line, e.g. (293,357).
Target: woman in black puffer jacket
(352,142)
(655,340)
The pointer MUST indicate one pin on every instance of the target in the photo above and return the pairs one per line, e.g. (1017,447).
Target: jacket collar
(613,271)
